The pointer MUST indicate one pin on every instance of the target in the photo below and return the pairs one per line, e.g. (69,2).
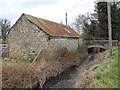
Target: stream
(68,77)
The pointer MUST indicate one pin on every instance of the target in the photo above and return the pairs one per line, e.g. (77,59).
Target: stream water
(68,78)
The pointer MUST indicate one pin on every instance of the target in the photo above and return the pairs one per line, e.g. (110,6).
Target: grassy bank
(105,75)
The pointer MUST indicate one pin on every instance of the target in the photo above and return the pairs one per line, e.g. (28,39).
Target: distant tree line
(95,25)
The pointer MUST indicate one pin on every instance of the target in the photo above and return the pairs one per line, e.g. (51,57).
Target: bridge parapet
(104,43)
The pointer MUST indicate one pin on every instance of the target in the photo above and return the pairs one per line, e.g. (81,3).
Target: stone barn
(31,37)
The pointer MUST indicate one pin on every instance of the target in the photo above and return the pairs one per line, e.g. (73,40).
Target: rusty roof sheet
(52,28)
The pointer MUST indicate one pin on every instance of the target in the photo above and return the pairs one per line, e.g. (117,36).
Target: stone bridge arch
(95,46)
(95,49)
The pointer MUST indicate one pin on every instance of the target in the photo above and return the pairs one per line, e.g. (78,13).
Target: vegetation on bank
(24,74)
(105,75)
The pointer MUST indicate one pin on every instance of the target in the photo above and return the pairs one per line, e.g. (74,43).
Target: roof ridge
(52,28)
(46,20)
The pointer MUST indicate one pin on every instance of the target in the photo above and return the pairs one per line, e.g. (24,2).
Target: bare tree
(5,27)
(81,24)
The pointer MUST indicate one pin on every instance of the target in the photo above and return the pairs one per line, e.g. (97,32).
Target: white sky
(53,10)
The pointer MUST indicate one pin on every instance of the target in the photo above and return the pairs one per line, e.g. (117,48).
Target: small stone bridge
(94,46)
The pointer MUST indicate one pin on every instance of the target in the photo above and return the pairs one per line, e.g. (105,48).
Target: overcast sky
(53,10)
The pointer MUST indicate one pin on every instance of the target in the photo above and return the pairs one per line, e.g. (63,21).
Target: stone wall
(68,43)
(25,40)
(59,47)
(104,43)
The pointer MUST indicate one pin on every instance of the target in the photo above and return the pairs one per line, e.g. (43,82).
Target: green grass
(24,62)
(17,62)
(107,73)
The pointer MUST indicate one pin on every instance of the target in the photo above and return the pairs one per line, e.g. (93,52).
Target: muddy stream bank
(68,77)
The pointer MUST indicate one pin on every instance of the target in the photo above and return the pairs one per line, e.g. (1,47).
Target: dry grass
(35,74)
(23,76)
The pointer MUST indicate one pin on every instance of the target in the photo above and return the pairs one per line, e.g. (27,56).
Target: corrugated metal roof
(52,28)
